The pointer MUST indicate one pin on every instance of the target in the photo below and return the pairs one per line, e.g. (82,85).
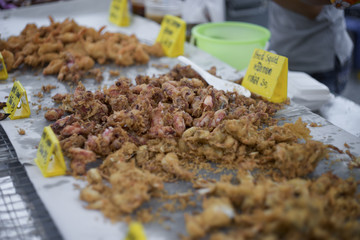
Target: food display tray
(60,195)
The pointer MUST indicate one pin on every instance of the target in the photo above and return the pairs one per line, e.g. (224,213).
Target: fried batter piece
(130,187)
(218,212)
(8,59)
(170,163)
(70,51)
(54,114)
(299,159)
(80,157)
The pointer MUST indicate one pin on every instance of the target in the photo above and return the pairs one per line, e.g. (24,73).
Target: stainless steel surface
(343,113)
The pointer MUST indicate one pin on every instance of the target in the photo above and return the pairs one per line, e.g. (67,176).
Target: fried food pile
(260,208)
(175,112)
(167,128)
(70,51)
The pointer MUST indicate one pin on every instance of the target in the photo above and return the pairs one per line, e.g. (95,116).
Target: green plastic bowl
(231,42)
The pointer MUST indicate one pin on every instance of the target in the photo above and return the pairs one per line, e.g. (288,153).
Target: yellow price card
(49,157)
(267,75)
(172,35)
(136,232)
(3,71)
(17,104)
(119,13)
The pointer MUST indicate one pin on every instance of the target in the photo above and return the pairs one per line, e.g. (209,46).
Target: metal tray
(22,213)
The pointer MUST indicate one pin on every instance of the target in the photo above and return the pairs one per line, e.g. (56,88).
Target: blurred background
(200,11)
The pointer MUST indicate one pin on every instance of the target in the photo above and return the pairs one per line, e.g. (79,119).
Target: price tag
(136,232)
(172,35)
(17,104)
(119,13)
(267,75)
(49,157)
(3,72)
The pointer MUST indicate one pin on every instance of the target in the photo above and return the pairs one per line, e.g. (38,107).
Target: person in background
(337,3)
(312,35)
(202,11)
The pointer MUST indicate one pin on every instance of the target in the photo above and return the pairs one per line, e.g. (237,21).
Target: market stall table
(59,194)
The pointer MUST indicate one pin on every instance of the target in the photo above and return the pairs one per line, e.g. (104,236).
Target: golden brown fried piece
(47,88)
(218,212)
(154,50)
(50,48)
(79,159)
(140,56)
(96,50)
(53,67)
(32,60)
(68,37)
(3,45)
(29,48)
(83,63)
(58,98)
(170,163)
(15,43)
(54,114)
(130,187)
(8,59)
(21,131)
(299,159)
(126,152)
(48,57)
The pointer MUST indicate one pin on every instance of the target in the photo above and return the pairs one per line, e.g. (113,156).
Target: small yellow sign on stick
(49,157)
(267,75)
(17,104)
(119,13)
(3,71)
(172,35)
(136,232)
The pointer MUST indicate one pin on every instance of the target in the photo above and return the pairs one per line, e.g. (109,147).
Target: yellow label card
(136,232)
(172,35)
(119,13)
(49,157)
(3,71)
(267,75)
(17,104)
